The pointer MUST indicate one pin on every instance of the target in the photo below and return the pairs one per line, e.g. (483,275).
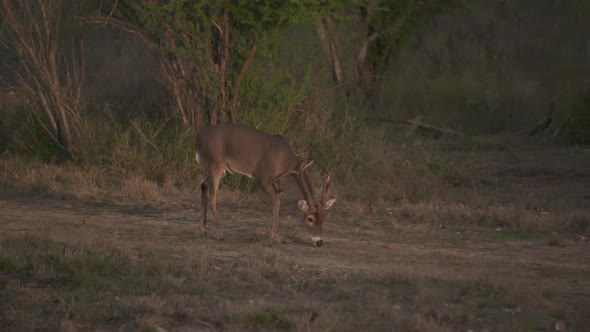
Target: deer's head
(314,213)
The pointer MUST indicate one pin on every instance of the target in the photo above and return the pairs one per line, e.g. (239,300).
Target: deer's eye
(309,219)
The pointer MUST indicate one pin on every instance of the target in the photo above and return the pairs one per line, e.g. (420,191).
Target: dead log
(438,131)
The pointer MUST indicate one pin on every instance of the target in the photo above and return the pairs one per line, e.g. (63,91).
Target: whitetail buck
(266,158)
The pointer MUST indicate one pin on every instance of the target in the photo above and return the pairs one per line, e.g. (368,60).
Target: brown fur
(266,158)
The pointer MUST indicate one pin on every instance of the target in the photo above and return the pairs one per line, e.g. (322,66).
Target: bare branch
(46,75)
(241,75)
(423,126)
(541,125)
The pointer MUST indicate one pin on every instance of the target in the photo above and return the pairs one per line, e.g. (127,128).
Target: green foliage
(207,46)
(392,21)
(153,152)
(25,134)
(463,70)
(270,104)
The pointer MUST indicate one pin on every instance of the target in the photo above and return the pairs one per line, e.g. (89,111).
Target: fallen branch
(420,125)
(541,125)
(559,130)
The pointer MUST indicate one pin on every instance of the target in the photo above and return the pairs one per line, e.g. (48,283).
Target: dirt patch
(455,270)
(503,248)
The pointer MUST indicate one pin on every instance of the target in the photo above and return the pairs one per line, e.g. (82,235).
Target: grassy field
(502,247)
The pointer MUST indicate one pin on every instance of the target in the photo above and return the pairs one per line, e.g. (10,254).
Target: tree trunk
(222,43)
(367,74)
(238,85)
(329,40)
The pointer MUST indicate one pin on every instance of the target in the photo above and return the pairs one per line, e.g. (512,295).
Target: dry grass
(138,189)
(69,277)
(87,183)
(35,176)
(72,285)
(443,214)
(474,253)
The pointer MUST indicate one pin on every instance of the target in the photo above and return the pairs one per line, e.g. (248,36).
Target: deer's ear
(302,205)
(329,203)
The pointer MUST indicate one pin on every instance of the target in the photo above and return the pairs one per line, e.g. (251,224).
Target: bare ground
(378,270)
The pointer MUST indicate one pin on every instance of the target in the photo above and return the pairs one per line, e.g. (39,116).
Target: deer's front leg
(272,192)
(276,207)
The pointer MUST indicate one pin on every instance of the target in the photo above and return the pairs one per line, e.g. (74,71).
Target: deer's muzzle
(318,241)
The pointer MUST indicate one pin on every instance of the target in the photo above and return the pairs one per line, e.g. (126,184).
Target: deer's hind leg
(209,189)
(204,202)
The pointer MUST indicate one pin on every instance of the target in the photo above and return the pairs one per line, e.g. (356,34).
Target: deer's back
(244,149)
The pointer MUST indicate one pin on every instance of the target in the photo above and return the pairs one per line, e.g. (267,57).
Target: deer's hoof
(277,238)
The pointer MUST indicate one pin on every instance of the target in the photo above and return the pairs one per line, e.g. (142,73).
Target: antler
(300,171)
(304,182)
(325,188)
(303,168)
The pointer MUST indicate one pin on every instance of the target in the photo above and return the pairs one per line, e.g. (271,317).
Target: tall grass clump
(113,155)
(154,152)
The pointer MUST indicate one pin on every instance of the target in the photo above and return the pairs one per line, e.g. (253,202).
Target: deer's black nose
(319,243)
